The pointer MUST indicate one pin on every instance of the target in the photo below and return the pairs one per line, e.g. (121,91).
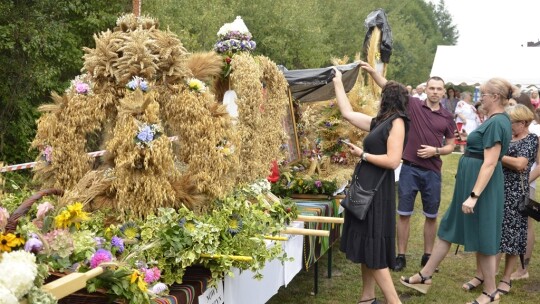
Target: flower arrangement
(196,85)
(225,147)
(294,183)
(82,85)
(68,240)
(137,83)
(146,134)
(234,37)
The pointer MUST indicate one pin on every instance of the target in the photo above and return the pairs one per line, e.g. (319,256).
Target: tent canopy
(474,66)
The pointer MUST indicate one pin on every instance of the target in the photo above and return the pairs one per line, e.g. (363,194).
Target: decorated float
(158,165)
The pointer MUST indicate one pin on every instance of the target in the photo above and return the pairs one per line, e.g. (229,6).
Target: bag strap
(380,181)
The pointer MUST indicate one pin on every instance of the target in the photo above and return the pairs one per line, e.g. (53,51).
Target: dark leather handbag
(358,200)
(527,206)
(532,209)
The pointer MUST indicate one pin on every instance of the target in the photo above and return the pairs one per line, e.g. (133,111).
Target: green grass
(345,284)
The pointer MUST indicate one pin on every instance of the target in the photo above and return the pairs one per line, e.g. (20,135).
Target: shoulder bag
(527,206)
(358,200)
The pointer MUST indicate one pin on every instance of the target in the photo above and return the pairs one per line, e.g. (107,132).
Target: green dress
(481,230)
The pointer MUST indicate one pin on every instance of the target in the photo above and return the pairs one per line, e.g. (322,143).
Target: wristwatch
(437,151)
(474,195)
(363,156)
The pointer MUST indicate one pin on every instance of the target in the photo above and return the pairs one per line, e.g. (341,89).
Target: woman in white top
(466,112)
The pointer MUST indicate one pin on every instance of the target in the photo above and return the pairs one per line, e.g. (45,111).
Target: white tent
(473,66)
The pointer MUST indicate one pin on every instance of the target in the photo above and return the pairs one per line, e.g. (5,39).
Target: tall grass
(345,284)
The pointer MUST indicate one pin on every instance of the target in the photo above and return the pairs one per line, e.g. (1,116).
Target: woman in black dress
(371,242)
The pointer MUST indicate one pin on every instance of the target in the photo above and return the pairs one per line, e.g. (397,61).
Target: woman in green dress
(474,217)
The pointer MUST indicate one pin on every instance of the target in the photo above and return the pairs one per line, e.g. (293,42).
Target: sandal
(492,298)
(422,286)
(502,291)
(470,286)
(370,301)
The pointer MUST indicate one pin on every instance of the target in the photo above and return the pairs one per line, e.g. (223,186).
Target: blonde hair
(501,87)
(520,112)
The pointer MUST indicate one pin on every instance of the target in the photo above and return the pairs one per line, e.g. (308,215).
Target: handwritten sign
(212,295)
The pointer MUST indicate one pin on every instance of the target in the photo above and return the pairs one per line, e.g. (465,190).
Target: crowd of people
(497,170)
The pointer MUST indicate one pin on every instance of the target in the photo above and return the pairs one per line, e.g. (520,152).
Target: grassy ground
(345,284)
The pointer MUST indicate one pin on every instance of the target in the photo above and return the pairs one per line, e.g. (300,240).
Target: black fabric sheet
(316,84)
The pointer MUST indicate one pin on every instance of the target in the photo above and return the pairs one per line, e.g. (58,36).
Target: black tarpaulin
(377,18)
(316,84)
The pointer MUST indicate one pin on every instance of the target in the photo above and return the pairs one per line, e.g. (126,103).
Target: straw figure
(165,137)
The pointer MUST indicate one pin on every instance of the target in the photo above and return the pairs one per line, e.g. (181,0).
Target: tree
(40,51)
(449,31)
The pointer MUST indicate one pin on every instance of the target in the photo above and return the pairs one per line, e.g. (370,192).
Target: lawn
(345,284)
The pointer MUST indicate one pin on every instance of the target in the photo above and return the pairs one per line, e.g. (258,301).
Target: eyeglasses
(517,121)
(482,95)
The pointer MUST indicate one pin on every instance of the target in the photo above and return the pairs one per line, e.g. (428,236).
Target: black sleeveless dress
(373,241)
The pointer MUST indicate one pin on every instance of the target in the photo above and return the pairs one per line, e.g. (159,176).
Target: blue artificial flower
(143,85)
(132,85)
(117,243)
(146,134)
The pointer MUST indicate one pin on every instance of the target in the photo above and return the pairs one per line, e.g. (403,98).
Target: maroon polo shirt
(427,127)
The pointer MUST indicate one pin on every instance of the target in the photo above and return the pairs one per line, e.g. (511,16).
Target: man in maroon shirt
(431,134)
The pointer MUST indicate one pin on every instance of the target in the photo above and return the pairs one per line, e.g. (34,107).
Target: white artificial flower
(239,25)
(224,29)
(6,297)
(21,269)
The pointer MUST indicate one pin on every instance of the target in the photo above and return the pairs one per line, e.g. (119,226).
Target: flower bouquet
(232,38)
(66,240)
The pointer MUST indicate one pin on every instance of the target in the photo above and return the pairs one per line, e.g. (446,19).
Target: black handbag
(532,209)
(358,200)
(529,207)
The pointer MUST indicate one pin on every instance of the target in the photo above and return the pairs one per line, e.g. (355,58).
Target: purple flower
(33,245)
(146,134)
(318,183)
(82,88)
(328,124)
(143,85)
(99,241)
(101,256)
(117,243)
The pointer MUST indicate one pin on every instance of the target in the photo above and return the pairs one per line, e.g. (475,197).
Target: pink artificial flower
(151,274)
(4,215)
(101,256)
(42,210)
(82,88)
